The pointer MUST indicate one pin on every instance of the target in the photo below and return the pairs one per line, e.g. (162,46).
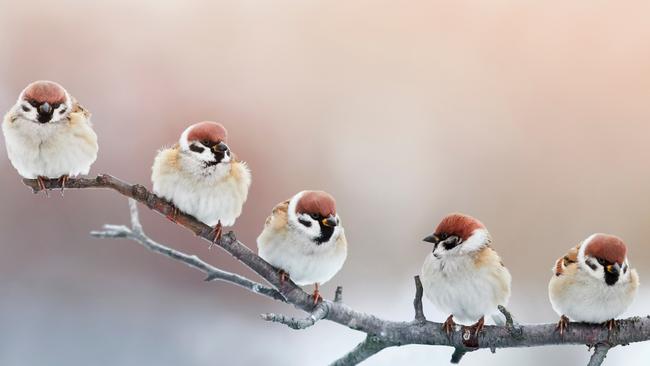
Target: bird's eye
(443,236)
(314,216)
(196,148)
(25,109)
(205,142)
(602,262)
(55,106)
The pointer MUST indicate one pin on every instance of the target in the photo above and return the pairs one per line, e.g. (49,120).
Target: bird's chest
(209,201)
(457,287)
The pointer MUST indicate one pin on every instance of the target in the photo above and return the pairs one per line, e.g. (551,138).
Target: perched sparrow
(201,177)
(593,283)
(49,134)
(464,276)
(304,239)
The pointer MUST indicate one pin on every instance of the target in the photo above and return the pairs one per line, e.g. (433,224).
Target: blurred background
(532,117)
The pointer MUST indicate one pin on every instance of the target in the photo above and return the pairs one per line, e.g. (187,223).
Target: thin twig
(138,235)
(320,312)
(599,355)
(458,354)
(370,346)
(338,295)
(510,322)
(417,301)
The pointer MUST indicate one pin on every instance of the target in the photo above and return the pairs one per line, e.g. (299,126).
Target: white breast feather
(51,149)
(210,196)
(584,298)
(304,261)
(457,287)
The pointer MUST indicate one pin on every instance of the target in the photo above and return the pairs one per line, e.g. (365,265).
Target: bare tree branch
(600,352)
(458,354)
(380,333)
(338,295)
(299,323)
(370,346)
(138,235)
(417,301)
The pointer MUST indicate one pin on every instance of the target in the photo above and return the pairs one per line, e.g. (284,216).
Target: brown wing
(570,258)
(278,217)
(78,108)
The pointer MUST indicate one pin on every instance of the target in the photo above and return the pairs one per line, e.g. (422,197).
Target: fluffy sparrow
(200,176)
(304,239)
(593,283)
(48,134)
(463,276)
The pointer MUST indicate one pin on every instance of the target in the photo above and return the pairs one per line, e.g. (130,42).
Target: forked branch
(380,333)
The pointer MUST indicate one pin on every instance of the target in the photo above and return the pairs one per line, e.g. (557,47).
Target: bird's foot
(479,325)
(41,185)
(218,232)
(562,325)
(63,180)
(449,325)
(284,276)
(172,214)
(612,324)
(316,295)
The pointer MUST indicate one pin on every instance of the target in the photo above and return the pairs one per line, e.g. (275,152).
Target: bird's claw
(479,325)
(41,185)
(316,295)
(63,180)
(562,325)
(284,276)
(172,214)
(448,325)
(612,324)
(218,232)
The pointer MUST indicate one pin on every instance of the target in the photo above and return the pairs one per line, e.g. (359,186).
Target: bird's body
(286,248)
(303,238)
(468,287)
(583,289)
(213,191)
(64,145)
(463,276)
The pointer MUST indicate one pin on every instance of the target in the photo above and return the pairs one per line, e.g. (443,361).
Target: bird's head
(44,102)
(604,257)
(314,214)
(205,142)
(458,234)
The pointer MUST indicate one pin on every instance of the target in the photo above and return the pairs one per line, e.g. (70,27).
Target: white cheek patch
(313,230)
(478,239)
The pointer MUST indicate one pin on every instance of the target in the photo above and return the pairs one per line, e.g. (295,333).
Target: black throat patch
(326,232)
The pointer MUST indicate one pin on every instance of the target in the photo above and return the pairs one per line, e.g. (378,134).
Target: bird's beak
(220,147)
(432,239)
(45,108)
(613,268)
(330,221)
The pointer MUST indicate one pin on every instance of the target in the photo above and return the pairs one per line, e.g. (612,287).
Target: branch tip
(417,301)
(338,294)
(319,313)
(599,355)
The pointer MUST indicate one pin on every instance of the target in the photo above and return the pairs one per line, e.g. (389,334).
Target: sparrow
(463,276)
(49,134)
(304,239)
(593,282)
(201,177)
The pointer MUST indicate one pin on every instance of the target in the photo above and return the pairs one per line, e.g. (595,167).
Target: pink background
(532,117)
